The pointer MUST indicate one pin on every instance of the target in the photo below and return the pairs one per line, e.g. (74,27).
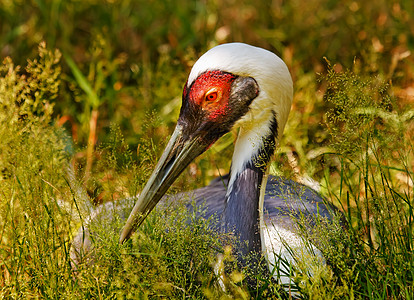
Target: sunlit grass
(174,253)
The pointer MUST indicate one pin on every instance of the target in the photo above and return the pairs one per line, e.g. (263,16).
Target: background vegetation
(106,100)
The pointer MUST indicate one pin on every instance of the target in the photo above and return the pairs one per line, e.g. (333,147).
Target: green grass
(107,105)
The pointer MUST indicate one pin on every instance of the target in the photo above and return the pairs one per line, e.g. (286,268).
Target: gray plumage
(285,201)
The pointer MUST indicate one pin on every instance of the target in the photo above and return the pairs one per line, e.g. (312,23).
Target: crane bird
(240,86)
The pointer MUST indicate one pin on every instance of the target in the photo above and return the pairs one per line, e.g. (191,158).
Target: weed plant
(33,154)
(374,153)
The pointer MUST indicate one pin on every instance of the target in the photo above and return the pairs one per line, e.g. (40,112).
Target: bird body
(286,203)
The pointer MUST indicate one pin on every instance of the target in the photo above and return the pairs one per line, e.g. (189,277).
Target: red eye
(211,96)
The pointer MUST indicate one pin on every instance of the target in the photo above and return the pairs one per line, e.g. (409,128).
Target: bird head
(230,85)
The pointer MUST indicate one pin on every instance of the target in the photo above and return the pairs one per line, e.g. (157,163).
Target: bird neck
(245,193)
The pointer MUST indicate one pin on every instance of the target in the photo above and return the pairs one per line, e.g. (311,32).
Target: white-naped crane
(231,86)
(236,85)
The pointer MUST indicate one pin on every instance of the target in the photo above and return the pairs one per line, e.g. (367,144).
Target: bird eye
(211,96)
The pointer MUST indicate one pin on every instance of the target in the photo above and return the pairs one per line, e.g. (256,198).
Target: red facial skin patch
(211,91)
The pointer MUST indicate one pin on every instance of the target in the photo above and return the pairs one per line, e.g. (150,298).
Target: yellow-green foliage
(32,149)
(372,154)
(32,161)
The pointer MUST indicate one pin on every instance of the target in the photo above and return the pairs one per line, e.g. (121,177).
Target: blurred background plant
(115,92)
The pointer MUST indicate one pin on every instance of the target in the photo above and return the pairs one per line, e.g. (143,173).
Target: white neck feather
(274,99)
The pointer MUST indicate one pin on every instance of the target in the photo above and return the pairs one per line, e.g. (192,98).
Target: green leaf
(83,82)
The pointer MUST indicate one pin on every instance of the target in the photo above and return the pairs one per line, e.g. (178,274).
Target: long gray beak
(176,157)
